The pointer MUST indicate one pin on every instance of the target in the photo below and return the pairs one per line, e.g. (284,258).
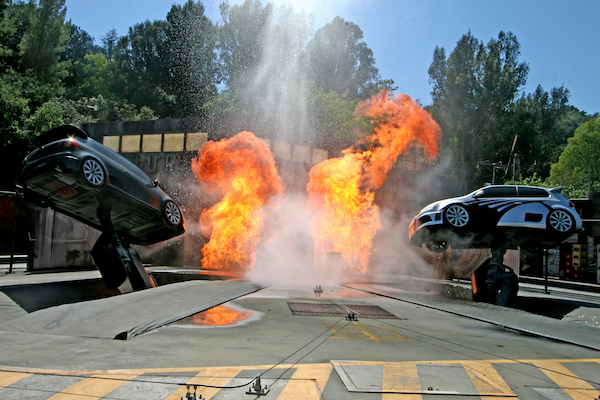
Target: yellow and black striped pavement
(498,379)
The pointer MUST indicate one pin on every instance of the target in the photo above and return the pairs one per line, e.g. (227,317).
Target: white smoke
(286,253)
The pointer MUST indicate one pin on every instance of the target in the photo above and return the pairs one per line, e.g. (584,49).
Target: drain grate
(334,310)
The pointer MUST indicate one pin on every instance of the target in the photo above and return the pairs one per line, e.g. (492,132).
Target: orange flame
(242,171)
(221,316)
(347,218)
(341,189)
(398,124)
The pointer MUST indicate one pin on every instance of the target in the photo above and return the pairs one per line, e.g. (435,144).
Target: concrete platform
(402,353)
(131,314)
(508,318)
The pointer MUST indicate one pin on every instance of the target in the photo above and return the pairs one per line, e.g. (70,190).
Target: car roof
(60,132)
(554,189)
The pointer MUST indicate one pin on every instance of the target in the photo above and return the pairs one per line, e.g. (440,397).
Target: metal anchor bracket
(318,290)
(351,317)
(190,396)
(257,389)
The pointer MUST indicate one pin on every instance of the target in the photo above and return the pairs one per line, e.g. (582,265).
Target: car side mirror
(478,194)
(155,182)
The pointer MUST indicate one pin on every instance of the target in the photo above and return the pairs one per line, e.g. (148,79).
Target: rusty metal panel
(512,258)
(63,242)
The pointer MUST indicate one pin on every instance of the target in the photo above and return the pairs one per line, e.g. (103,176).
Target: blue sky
(560,40)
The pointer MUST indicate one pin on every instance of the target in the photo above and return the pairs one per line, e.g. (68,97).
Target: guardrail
(18,262)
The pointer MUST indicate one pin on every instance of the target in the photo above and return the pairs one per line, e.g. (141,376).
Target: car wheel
(93,172)
(437,247)
(456,216)
(172,213)
(560,221)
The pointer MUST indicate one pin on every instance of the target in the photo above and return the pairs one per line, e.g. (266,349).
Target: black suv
(75,175)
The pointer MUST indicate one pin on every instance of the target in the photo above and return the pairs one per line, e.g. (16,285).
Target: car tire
(92,172)
(172,213)
(437,247)
(456,216)
(560,221)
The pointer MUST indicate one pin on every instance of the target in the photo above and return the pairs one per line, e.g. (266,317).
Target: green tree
(535,121)
(46,117)
(20,123)
(99,109)
(189,58)
(14,110)
(578,166)
(95,76)
(109,43)
(17,16)
(31,76)
(79,47)
(139,73)
(44,41)
(337,59)
(241,41)
(332,115)
(473,90)
(6,32)
(259,49)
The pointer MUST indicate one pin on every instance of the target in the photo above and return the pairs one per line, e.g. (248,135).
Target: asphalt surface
(387,337)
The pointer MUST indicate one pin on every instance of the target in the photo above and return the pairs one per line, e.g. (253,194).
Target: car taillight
(571,204)
(71,143)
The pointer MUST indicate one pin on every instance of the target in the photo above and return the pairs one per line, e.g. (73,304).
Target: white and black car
(497,215)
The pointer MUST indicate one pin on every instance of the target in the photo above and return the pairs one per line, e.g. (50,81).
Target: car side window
(501,191)
(532,192)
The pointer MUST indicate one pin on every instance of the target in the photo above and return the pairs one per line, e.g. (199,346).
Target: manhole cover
(335,310)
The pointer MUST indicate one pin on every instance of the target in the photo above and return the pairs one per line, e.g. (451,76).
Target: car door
(536,212)
(498,206)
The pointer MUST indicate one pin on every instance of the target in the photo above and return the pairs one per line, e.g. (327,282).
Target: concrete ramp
(132,314)
(505,317)
(9,309)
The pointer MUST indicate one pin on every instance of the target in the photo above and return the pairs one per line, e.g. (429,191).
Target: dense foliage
(579,165)
(266,69)
(492,130)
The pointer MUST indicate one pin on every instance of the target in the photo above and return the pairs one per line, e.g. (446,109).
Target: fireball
(241,171)
(341,190)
